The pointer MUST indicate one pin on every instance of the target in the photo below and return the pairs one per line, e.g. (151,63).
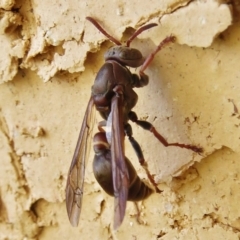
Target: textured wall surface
(49,58)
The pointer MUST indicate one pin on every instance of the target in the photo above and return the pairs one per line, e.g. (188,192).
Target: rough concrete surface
(49,58)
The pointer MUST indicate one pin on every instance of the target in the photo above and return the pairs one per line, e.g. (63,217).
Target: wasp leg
(139,153)
(138,215)
(142,80)
(148,126)
(149,59)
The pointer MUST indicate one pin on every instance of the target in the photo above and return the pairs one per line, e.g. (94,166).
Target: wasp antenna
(140,30)
(97,25)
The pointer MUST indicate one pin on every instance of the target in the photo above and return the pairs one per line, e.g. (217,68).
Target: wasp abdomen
(102,169)
(138,189)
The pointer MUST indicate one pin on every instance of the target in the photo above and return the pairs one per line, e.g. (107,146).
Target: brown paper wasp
(114,98)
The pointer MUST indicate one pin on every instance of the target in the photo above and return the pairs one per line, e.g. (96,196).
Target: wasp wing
(119,169)
(75,180)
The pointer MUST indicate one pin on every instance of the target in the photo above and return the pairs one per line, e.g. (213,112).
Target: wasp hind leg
(139,153)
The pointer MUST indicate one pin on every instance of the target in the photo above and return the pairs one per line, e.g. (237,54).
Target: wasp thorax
(125,55)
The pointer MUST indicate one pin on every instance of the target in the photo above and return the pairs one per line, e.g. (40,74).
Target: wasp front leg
(140,81)
(151,56)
